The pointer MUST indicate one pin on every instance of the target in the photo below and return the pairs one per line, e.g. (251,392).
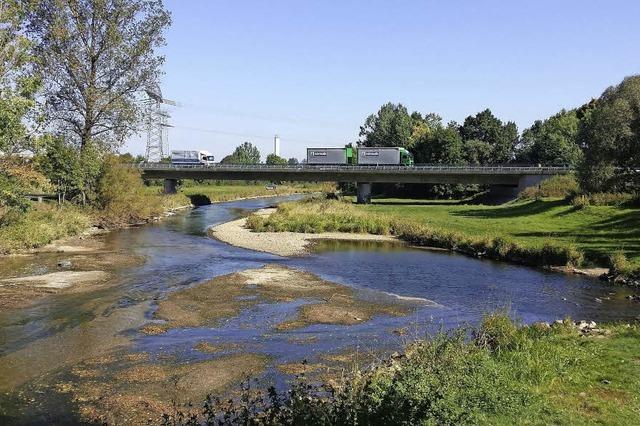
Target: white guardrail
(420,168)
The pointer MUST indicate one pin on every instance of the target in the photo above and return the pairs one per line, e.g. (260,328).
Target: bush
(122,197)
(560,186)
(496,332)
(41,225)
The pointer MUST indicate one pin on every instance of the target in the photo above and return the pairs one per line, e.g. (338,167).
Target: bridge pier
(170,186)
(364,193)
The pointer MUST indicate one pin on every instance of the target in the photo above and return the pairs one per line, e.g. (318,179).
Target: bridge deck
(492,175)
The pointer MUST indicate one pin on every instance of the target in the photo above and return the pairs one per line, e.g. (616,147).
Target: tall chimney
(276,145)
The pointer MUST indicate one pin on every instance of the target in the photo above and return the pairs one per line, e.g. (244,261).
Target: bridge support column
(364,193)
(531,180)
(170,186)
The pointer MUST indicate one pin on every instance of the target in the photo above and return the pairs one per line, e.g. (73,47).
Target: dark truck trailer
(330,156)
(384,156)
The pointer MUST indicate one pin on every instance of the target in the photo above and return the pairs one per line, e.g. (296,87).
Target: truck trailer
(384,156)
(330,156)
(191,158)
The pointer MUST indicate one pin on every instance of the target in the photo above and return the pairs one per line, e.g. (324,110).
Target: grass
(41,225)
(526,227)
(229,191)
(128,203)
(496,373)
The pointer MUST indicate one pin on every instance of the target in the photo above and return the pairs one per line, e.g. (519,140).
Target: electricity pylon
(157,122)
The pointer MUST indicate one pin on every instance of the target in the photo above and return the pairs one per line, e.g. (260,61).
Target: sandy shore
(282,243)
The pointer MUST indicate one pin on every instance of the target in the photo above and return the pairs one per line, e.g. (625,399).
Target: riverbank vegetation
(564,373)
(540,232)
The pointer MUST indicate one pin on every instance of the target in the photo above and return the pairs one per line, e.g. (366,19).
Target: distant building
(276,145)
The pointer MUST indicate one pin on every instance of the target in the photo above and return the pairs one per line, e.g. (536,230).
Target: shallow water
(40,343)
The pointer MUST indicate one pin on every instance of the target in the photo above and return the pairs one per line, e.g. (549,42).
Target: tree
(74,173)
(485,127)
(17,84)
(552,141)
(95,57)
(391,126)
(275,160)
(441,145)
(477,152)
(293,161)
(244,153)
(610,135)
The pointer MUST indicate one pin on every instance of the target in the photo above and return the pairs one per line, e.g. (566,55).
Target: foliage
(440,145)
(553,141)
(245,153)
(121,196)
(477,152)
(94,58)
(391,126)
(610,133)
(41,225)
(17,178)
(602,199)
(536,374)
(485,127)
(560,186)
(73,172)
(274,160)
(293,161)
(17,85)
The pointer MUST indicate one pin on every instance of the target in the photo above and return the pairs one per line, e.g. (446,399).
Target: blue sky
(312,71)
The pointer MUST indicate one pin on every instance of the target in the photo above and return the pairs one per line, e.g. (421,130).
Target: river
(42,344)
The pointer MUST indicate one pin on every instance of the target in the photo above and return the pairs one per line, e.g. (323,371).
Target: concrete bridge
(510,178)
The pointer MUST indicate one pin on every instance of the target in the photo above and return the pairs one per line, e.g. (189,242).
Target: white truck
(182,158)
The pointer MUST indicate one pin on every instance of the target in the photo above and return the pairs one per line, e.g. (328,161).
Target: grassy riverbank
(43,223)
(505,374)
(539,232)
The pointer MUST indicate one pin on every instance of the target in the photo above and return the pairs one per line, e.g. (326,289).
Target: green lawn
(541,232)
(596,230)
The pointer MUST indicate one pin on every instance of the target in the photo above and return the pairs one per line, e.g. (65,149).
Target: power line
(245,135)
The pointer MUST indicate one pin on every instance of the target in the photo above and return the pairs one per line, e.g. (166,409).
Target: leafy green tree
(553,141)
(74,173)
(610,135)
(246,153)
(274,160)
(228,159)
(293,161)
(440,145)
(390,126)
(477,152)
(95,58)
(17,85)
(485,127)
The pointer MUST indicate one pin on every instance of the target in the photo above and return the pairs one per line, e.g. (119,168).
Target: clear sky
(312,71)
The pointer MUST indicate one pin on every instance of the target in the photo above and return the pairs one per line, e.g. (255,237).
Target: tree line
(600,138)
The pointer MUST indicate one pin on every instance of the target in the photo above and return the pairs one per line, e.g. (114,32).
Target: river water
(41,342)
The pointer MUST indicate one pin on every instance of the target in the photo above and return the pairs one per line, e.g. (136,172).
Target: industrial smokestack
(276,145)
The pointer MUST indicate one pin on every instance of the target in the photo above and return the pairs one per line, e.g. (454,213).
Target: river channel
(46,347)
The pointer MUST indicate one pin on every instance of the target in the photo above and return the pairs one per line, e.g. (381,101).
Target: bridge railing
(339,168)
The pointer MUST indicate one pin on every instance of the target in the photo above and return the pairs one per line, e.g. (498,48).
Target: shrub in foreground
(504,374)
